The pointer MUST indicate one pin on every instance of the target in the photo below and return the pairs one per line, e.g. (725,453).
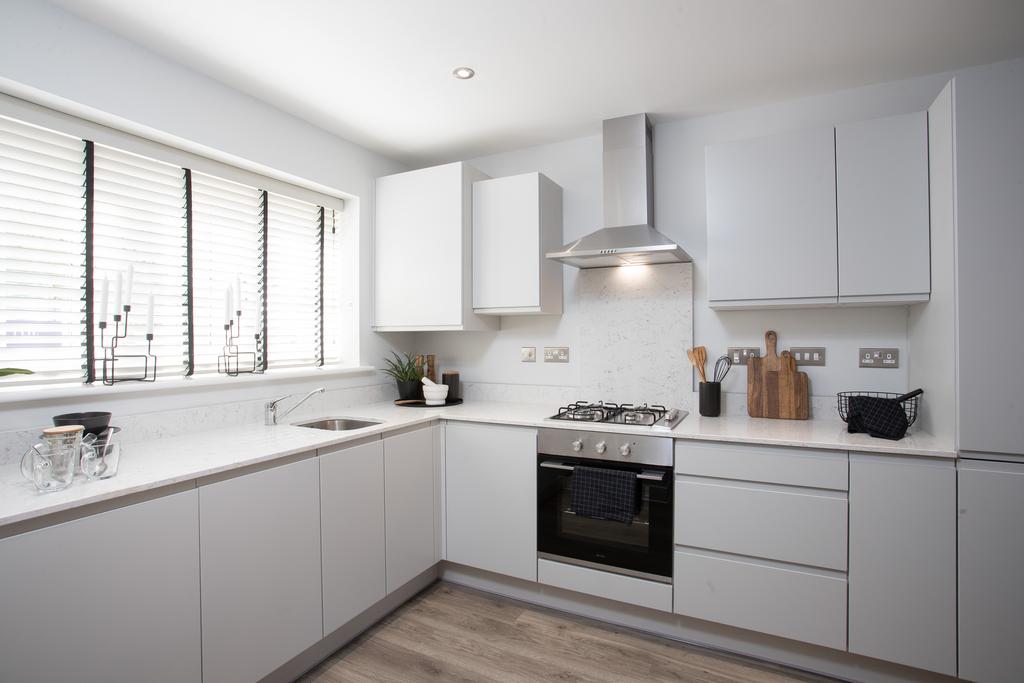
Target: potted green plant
(14,371)
(407,376)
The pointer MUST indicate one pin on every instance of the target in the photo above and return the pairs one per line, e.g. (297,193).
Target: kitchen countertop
(156,464)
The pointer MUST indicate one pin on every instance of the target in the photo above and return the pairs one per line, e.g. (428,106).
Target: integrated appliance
(629,237)
(657,417)
(640,546)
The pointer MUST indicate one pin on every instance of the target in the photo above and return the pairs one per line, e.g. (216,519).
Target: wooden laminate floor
(450,633)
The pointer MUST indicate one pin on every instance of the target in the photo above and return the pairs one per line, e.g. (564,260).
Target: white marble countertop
(156,464)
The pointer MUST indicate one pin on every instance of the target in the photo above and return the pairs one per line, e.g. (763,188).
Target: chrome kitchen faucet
(270,416)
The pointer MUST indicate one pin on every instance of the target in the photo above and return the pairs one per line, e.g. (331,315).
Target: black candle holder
(110,355)
(234,362)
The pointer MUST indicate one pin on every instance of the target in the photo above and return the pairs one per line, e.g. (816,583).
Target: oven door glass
(641,547)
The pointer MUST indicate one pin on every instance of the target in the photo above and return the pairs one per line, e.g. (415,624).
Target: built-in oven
(635,537)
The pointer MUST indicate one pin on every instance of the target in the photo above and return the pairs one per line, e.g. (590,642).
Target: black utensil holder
(710,399)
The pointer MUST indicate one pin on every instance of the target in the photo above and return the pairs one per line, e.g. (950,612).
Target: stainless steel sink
(338,424)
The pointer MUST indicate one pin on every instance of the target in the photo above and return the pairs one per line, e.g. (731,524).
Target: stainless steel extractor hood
(629,237)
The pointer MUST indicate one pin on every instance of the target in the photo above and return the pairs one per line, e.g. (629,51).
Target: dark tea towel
(603,493)
(880,417)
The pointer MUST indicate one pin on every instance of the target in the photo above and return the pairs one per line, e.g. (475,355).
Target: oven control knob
(625,450)
(600,447)
(577,445)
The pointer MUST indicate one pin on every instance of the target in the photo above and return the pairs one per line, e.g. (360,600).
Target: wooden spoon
(700,353)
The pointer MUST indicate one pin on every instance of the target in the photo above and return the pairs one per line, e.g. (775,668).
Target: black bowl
(94,422)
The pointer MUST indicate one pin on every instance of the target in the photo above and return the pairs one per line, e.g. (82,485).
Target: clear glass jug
(51,464)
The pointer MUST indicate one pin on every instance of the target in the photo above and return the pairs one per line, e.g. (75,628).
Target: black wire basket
(909,405)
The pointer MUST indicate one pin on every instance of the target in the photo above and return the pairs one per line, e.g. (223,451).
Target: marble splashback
(635,326)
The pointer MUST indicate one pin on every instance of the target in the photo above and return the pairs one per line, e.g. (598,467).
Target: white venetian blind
(227,235)
(42,255)
(293,280)
(139,220)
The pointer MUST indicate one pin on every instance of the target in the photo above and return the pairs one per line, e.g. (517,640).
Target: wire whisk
(722,367)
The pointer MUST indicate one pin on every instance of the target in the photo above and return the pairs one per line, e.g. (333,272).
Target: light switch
(528,354)
(808,355)
(556,354)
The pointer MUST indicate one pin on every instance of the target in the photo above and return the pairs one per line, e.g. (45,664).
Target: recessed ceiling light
(463,73)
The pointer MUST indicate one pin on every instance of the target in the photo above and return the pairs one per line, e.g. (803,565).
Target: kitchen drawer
(627,589)
(809,467)
(803,526)
(803,604)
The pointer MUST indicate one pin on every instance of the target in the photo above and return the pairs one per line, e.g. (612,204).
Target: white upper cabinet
(423,250)
(821,216)
(771,212)
(882,192)
(516,220)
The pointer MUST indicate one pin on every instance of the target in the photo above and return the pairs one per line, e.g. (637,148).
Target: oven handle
(646,474)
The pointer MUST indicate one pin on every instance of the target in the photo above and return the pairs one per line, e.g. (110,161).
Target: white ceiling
(378,72)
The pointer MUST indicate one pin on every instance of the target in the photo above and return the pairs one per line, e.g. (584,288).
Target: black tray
(421,403)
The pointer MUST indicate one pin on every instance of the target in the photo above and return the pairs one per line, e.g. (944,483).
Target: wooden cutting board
(774,387)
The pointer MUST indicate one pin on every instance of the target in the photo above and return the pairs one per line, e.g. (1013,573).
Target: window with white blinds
(42,258)
(227,247)
(139,228)
(293,278)
(185,250)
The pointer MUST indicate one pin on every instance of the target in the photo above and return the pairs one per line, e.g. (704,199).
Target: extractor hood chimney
(629,237)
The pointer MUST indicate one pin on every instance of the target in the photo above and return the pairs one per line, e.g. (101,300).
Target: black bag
(879,417)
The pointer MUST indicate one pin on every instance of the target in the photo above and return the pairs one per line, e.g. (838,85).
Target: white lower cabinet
(103,599)
(409,506)
(352,531)
(261,578)
(491,498)
(991,554)
(903,560)
(782,600)
(790,524)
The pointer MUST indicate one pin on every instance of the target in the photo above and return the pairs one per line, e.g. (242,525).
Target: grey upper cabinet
(410,513)
(516,221)
(491,485)
(990,556)
(902,576)
(771,213)
(111,597)
(352,531)
(261,583)
(882,209)
(820,216)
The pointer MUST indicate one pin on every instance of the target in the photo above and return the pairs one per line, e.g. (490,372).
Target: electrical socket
(528,354)
(808,355)
(740,354)
(887,358)
(556,354)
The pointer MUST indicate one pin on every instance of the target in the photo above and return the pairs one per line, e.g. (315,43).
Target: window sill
(168,385)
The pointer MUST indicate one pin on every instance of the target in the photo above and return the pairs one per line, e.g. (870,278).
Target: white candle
(104,296)
(238,292)
(131,279)
(227,306)
(149,316)
(118,292)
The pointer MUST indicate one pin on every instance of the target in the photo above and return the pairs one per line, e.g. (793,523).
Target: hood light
(463,73)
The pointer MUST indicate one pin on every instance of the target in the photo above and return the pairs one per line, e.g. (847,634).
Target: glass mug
(51,464)
(100,459)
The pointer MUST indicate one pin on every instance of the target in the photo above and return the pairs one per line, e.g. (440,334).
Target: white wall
(680,214)
(932,330)
(54,58)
